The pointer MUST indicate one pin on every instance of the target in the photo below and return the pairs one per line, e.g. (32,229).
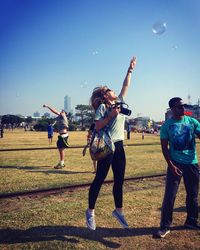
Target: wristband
(129,71)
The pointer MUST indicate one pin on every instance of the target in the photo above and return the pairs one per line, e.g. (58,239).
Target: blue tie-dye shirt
(181,137)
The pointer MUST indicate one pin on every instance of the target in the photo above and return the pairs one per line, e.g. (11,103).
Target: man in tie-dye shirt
(179,149)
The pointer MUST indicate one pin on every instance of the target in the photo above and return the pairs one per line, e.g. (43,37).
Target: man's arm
(166,154)
(196,128)
(127,79)
(51,109)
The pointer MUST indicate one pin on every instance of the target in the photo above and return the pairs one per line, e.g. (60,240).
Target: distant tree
(70,117)
(47,115)
(72,124)
(11,119)
(29,119)
(86,115)
(43,123)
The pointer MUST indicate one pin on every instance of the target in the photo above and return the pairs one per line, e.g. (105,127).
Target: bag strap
(89,143)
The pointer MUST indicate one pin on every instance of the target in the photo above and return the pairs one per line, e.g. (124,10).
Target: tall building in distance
(67,104)
(36,114)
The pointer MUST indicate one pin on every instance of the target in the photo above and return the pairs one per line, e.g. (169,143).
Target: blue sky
(53,48)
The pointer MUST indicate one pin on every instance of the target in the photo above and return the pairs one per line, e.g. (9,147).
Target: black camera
(123,110)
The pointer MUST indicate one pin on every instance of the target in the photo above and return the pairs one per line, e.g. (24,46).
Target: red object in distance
(188,113)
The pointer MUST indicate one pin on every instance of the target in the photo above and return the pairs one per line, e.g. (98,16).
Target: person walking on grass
(128,129)
(178,147)
(106,116)
(62,142)
(1,130)
(50,132)
(143,134)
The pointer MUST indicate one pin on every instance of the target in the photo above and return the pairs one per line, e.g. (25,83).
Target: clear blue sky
(53,48)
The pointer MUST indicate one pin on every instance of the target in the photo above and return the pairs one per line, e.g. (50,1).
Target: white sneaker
(162,232)
(90,220)
(59,165)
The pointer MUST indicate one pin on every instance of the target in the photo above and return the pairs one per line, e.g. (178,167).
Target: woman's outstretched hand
(133,63)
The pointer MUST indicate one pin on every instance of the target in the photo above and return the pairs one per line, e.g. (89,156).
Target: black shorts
(62,142)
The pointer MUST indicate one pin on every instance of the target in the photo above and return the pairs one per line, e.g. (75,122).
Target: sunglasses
(180,106)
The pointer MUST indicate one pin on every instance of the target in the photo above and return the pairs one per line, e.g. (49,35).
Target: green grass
(33,169)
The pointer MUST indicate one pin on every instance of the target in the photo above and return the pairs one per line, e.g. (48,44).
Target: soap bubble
(84,84)
(95,52)
(159,28)
(174,47)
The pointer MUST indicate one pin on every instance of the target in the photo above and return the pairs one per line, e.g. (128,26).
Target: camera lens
(125,111)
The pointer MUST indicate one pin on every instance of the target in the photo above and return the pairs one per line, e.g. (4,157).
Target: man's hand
(176,170)
(165,151)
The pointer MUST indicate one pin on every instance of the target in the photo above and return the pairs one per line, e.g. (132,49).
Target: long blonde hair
(97,97)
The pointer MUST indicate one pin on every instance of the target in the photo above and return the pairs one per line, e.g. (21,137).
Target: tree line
(82,119)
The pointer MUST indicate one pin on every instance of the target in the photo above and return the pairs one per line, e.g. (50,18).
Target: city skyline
(50,49)
(67,104)
(35,113)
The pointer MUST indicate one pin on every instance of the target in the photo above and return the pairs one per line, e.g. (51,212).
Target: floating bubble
(174,47)
(84,84)
(95,52)
(159,28)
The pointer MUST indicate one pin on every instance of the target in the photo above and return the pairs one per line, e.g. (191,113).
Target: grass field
(27,170)
(58,221)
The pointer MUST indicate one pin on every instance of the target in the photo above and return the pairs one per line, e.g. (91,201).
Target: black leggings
(118,162)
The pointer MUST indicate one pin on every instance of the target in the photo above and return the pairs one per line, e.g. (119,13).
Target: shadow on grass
(180,209)
(70,234)
(183,209)
(54,171)
(46,171)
